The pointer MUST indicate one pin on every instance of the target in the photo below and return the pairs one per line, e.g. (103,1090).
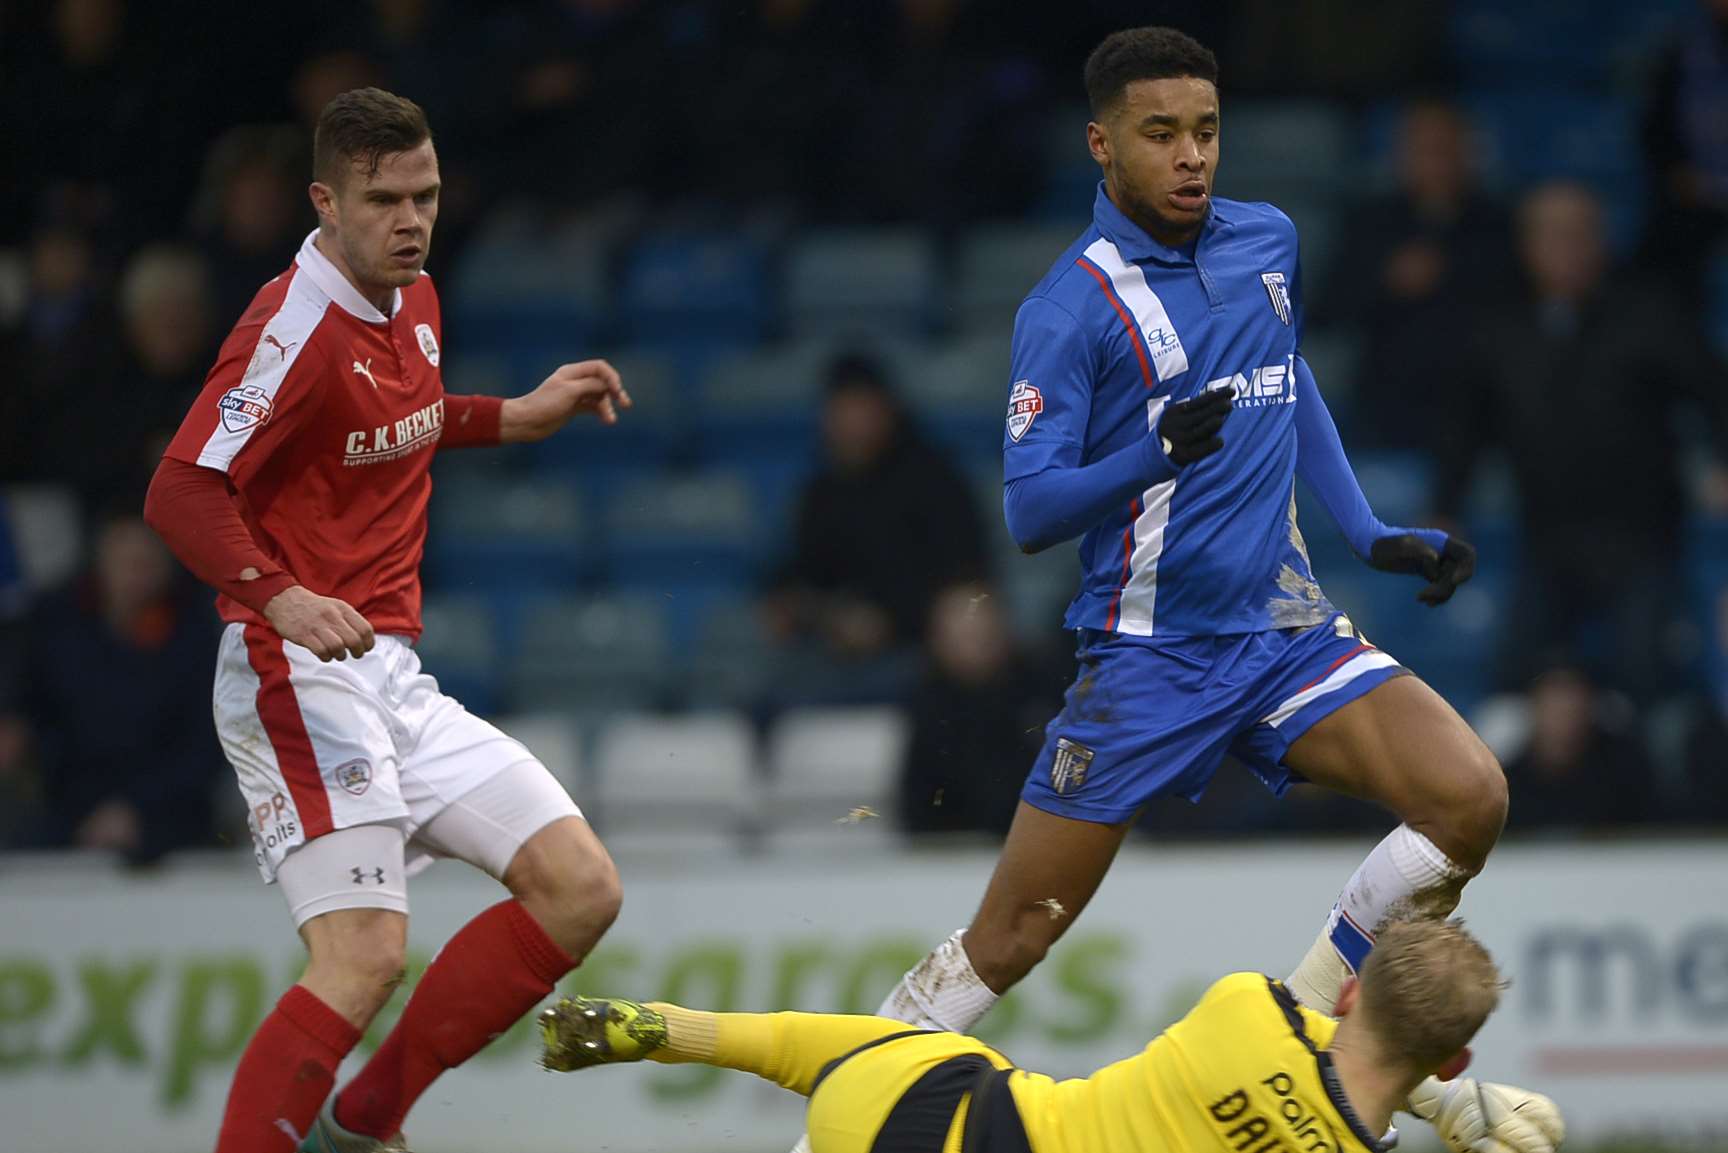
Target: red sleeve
(471,421)
(192,510)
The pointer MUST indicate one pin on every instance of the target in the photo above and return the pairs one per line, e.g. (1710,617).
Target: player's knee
(1475,809)
(573,890)
(366,966)
(1003,955)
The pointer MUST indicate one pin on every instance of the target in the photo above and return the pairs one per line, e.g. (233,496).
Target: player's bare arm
(586,386)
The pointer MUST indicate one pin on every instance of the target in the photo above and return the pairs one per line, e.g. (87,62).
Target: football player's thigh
(477,794)
(1403,746)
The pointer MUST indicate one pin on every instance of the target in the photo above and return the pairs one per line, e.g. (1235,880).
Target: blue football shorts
(1149,717)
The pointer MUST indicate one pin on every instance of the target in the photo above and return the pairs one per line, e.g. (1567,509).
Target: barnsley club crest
(1024,405)
(428,343)
(1279,292)
(244,407)
(354,776)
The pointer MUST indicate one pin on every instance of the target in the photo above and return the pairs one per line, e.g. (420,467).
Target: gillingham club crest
(1068,768)
(1024,405)
(1279,293)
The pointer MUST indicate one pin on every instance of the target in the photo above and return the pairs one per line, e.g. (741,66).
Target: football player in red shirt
(297,488)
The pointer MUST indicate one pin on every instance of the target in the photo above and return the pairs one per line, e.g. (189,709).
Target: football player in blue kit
(1161,411)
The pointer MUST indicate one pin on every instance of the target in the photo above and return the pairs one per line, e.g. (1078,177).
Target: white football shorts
(326,745)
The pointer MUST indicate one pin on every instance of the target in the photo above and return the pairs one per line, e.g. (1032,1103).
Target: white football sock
(942,991)
(1406,877)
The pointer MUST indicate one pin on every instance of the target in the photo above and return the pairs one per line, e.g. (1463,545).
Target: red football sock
(284,1075)
(496,968)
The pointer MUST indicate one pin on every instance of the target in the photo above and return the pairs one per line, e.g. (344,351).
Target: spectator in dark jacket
(1582,381)
(1583,766)
(1411,263)
(978,719)
(115,695)
(1686,149)
(884,525)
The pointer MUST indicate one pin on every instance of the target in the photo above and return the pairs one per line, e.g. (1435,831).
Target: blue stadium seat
(647,433)
(959,390)
(861,281)
(734,660)
(530,298)
(1543,44)
(1284,150)
(460,647)
(693,529)
(592,653)
(502,533)
(1719,302)
(1530,136)
(998,265)
(687,293)
(1070,174)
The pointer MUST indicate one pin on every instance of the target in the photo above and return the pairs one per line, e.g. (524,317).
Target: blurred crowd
(1515,339)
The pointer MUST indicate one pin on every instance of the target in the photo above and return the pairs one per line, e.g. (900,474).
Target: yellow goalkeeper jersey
(1244,1072)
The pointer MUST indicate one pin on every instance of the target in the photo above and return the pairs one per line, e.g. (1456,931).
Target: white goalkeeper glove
(1481,1117)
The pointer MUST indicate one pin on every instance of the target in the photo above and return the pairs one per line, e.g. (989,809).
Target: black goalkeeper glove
(1444,570)
(1188,430)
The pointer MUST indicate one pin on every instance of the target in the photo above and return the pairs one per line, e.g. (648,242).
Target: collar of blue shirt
(1133,242)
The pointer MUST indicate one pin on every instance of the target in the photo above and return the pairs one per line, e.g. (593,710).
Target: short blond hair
(1426,989)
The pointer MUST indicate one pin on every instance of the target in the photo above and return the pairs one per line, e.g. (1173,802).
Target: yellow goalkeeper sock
(788,1049)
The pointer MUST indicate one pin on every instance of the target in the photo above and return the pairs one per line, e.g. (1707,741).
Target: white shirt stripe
(1169,359)
(1341,676)
(1140,594)
(247,406)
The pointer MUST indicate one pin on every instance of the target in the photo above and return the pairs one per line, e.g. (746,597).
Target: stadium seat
(1319,225)
(1530,136)
(460,647)
(555,743)
(959,391)
(1534,42)
(679,782)
(647,433)
(693,527)
(1284,150)
(47,532)
(503,533)
(862,281)
(590,655)
(824,763)
(695,291)
(998,266)
(761,409)
(1071,176)
(1718,309)
(734,659)
(529,297)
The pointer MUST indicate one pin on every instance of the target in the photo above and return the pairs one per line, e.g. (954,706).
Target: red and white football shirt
(324,414)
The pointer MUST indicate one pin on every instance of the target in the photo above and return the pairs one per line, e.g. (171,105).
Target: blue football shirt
(1122,326)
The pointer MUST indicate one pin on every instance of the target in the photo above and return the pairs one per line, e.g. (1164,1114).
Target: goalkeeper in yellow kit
(1248,1070)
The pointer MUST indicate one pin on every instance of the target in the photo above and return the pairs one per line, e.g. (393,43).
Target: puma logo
(279,346)
(365,370)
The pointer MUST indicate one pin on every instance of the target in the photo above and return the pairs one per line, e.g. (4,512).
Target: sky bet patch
(244,407)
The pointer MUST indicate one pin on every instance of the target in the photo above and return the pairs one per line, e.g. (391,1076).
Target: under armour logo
(362,876)
(280,347)
(365,370)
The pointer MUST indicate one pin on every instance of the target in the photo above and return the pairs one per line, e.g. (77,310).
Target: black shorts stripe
(993,1123)
(919,1121)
